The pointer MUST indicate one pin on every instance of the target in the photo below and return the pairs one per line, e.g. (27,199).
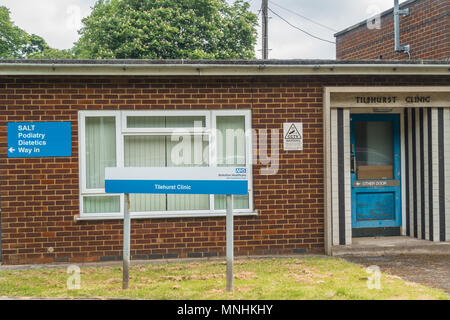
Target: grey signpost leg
(126,242)
(230,242)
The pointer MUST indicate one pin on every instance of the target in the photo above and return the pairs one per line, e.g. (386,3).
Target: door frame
(397,150)
(341,97)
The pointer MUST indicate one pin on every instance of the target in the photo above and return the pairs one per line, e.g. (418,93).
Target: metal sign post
(177,180)
(126,242)
(230,242)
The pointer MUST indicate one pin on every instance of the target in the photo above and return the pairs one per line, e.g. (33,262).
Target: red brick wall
(39,196)
(426,30)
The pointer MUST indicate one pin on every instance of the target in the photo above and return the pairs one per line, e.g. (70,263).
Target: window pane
(185,122)
(374,149)
(101,204)
(180,202)
(165,151)
(145,151)
(231,152)
(156,151)
(239,202)
(100,149)
(166,122)
(230,141)
(145,122)
(187,151)
(147,202)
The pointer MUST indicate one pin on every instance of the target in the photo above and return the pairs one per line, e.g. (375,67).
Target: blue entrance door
(375,174)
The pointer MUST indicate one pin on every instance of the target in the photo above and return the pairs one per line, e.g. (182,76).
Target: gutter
(48,69)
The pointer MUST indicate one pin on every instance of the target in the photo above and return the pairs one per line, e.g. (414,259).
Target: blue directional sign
(39,139)
(177,180)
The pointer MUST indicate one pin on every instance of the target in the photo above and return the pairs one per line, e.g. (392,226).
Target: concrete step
(378,246)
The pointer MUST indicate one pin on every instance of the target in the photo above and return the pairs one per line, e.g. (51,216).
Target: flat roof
(220,67)
(212,62)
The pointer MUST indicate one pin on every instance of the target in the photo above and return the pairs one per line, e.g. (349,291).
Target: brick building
(426,30)
(120,113)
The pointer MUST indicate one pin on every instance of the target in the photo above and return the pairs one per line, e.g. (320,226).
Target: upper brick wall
(426,30)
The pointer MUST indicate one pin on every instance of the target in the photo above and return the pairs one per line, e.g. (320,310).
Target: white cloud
(57,21)
(54,20)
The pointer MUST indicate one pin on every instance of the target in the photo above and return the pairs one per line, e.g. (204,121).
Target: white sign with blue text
(39,139)
(177,180)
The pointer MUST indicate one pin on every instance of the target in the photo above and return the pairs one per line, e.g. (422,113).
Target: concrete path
(430,270)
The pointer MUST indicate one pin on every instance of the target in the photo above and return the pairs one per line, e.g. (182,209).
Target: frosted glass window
(374,143)
(145,151)
(157,148)
(374,150)
(158,151)
(100,144)
(100,149)
(192,154)
(165,122)
(101,204)
(230,140)
(146,122)
(185,122)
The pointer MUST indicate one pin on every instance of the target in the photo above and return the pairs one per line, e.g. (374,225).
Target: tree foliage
(12,38)
(168,29)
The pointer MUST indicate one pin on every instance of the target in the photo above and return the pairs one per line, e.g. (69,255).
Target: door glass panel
(374,150)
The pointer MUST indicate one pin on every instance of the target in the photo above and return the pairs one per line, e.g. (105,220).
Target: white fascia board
(220,69)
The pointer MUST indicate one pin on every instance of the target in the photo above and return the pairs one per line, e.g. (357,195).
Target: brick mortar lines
(38,214)
(426,30)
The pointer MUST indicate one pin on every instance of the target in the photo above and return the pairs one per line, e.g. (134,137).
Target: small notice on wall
(39,139)
(292,136)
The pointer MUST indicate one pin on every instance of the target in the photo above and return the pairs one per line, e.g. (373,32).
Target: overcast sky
(57,21)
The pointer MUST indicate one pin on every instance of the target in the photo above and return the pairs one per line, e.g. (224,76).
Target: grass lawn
(277,279)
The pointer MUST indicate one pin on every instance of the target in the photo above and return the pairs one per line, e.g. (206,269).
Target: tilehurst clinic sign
(392,99)
(389,99)
(178,180)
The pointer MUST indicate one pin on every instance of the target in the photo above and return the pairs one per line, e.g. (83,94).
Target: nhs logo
(241,170)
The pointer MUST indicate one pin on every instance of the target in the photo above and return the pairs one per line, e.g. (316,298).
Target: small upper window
(165,122)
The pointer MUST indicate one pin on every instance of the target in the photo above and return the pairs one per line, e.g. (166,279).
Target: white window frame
(122,131)
(248,151)
(165,131)
(82,163)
